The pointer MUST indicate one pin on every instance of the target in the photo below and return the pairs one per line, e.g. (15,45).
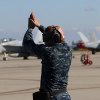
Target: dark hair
(51,34)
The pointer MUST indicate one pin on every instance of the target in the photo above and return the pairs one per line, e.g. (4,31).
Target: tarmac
(20,78)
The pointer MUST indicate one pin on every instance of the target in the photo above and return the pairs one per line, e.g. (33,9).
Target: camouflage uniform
(56,61)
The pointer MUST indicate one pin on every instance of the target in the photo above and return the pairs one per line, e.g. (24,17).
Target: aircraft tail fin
(83,37)
(92,37)
(38,38)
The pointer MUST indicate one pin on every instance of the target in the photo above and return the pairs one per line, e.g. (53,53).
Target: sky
(72,15)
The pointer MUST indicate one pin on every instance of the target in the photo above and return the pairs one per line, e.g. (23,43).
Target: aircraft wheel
(25,58)
(4,58)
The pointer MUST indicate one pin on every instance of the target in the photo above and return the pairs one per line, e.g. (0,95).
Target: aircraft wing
(12,49)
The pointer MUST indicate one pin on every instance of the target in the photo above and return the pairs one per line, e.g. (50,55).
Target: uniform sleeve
(30,46)
(42,28)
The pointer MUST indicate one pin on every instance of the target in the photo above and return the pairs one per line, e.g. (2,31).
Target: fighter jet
(91,44)
(14,48)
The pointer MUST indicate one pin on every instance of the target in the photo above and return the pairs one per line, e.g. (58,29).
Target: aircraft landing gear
(5,56)
(85,59)
(25,57)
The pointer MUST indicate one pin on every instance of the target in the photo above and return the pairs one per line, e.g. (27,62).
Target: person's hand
(33,20)
(30,24)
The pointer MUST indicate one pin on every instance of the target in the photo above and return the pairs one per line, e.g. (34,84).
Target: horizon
(72,16)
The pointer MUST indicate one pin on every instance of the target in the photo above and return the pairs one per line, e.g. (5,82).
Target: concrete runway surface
(20,78)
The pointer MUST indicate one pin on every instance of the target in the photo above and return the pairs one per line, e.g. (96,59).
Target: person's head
(53,34)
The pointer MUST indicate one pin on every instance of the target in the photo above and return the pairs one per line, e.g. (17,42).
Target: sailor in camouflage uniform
(56,58)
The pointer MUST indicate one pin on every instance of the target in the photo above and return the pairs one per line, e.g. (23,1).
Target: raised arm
(28,42)
(35,22)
